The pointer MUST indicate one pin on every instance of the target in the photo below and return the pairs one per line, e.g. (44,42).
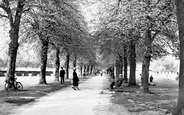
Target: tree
(61,23)
(67,64)
(180,18)
(120,27)
(154,25)
(13,13)
(57,64)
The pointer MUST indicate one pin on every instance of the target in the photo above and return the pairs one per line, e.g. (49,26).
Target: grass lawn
(161,102)
(12,99)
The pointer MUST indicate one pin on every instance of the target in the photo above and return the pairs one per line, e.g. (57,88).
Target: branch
(26,10)
(3,16)
(119,1)
(155,34)
(3,7)
(158,1)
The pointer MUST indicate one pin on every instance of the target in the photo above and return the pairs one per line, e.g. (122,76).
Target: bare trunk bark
(121,64)
(91,70)
(67,65)
(44,50)
(81,68)
(146,61)
(125,66)
(180,18)
(84,72)
(132,57)
(118,68)
(13,47)
(88,66)
(75,61)
(57,64)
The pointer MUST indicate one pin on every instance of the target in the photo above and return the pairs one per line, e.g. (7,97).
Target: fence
(25,73)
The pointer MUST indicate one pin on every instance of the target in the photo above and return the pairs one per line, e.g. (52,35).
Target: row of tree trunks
(122,64)
(44,51)
(118,67)
(57,64)
(86,69)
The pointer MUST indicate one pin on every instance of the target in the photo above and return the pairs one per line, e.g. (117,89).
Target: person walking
(75,80)
(151,79)
(62,75)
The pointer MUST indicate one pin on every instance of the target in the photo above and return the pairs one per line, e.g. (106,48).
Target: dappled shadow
(19,101)
(17,98)
(159,100)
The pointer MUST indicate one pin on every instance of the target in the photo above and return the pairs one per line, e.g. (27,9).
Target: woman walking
(75,80)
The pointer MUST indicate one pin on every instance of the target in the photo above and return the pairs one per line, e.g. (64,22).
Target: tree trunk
(91,70)
(146,61)
(118,68)
(84,72)
(44,50)
(67,65)
(132,57)
(75,61)
(121,64)
(180,18)
(57,64)
(88,66)
(14,35)
(81,68)
(113,77)
(125,64)
(13,47)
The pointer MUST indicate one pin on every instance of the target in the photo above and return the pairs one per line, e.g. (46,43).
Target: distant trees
(121,33)
(139,26)
(46,23)
(60,24)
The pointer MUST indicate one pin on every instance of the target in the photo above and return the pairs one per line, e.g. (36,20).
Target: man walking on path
(62,75)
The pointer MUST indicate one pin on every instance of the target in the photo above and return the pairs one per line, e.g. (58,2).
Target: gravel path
(92,99)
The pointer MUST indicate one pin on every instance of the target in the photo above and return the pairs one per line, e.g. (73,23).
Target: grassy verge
(13,99)
(161,102)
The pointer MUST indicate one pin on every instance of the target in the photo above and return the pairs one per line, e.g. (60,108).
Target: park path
(90,100)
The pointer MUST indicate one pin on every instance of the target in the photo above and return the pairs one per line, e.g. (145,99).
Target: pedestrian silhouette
(75,80)
(151,79)
(62,75)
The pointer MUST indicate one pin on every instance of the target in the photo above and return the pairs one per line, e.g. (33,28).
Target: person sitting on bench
(117,84)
